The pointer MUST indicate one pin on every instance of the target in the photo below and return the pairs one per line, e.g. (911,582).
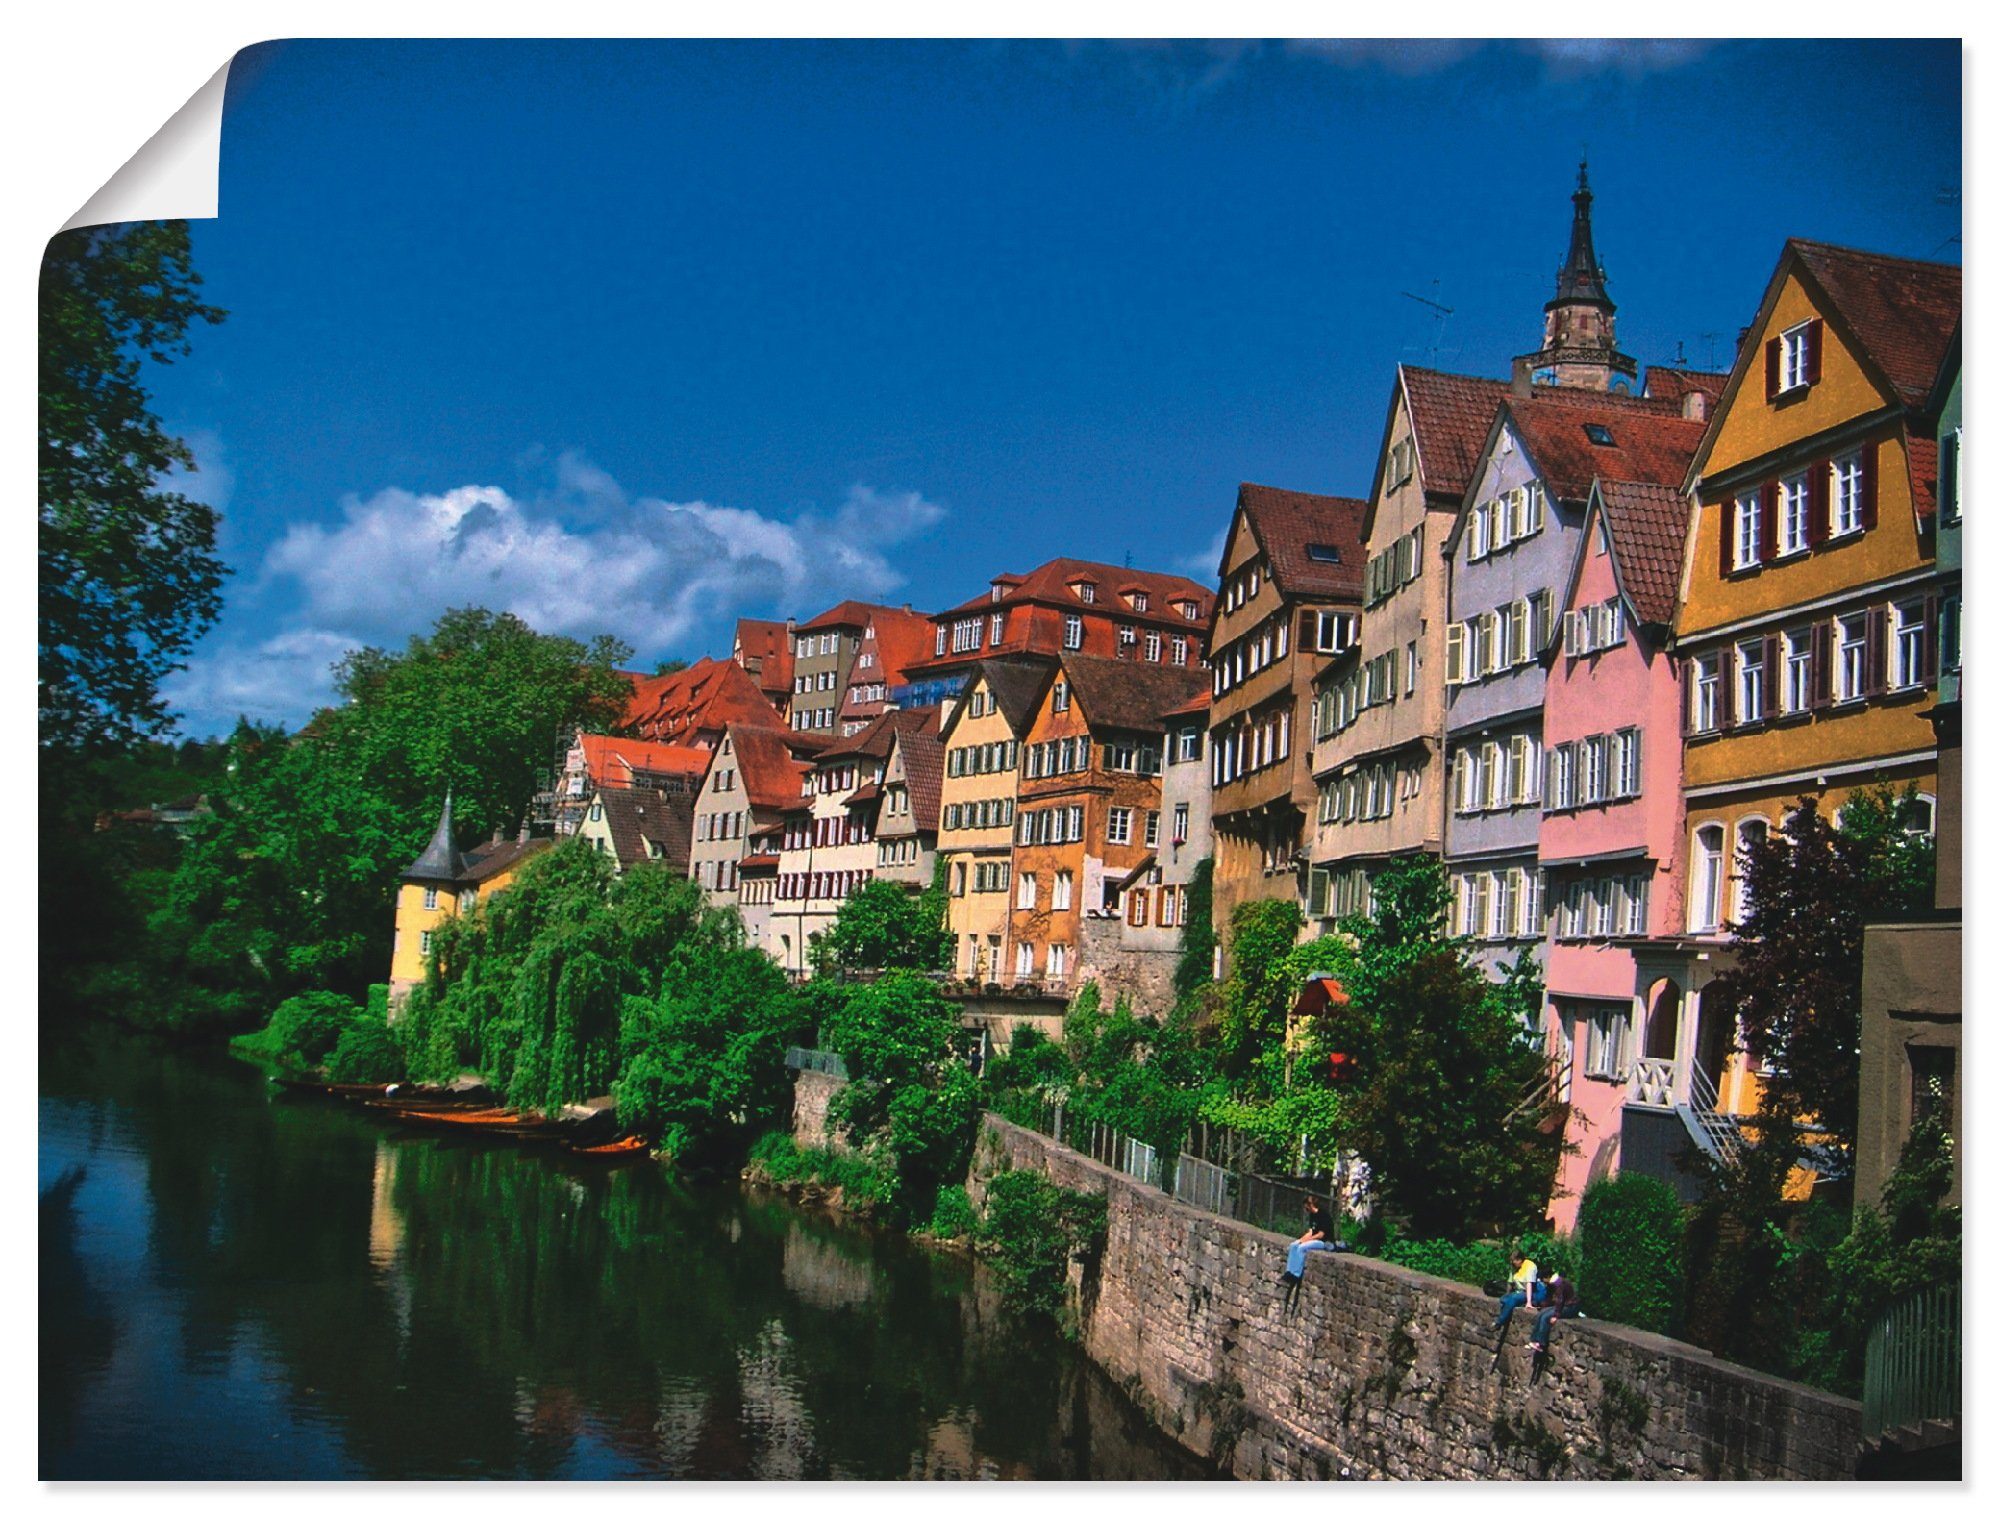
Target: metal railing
(824,1061)
(1912,1374)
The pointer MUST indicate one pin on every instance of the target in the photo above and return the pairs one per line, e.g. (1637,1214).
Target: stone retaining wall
(811,1092)
(1378,1371)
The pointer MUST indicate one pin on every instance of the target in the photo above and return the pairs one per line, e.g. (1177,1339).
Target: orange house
(1087,812)
(1809,589)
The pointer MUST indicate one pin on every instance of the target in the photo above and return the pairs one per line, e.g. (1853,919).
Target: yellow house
(1809,601)
(442,883)
(981,735)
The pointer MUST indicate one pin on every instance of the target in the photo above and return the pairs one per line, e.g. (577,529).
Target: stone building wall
(1119,960)
(1378,1371)
(811,1092)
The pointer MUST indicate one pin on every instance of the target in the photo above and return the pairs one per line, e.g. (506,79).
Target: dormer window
(996,593)
(1140,601)
(1323,553)
(1085,590)
(1191,610)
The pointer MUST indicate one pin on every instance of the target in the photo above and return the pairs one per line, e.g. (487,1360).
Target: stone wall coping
(1641,1340)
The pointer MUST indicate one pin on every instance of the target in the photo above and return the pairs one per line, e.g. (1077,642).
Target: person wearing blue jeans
(1318,1236)
(1520,1288)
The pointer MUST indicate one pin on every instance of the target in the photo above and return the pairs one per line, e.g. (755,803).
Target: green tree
(128,576)
(1441,1064)
(1795,986)
(1257,995)
(882,927)
(1196,966)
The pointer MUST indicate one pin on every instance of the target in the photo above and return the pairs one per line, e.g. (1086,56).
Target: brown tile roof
(1649,446)
(1053,583)
(849,614)
(1016,685)
(923,773)
(1450,415)
(708,696)
(641,817)
(1129,694)
(1666,383)
(765,649)
(765,762)
(488,860)
(1201,702)
(1298,531)
(877,736)
(901,640)
(1901,311)
(1647,522)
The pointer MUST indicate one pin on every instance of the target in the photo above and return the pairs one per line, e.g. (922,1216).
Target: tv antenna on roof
(1444,314)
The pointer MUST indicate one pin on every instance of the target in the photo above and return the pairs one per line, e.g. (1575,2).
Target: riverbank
(1379,1371)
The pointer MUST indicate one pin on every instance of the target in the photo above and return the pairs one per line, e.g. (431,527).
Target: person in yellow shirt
(1521,1287)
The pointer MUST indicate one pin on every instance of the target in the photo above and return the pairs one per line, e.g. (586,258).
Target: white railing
(1652,1084)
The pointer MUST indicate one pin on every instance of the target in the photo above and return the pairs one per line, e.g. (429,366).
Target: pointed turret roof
(1581,277)
(440,860)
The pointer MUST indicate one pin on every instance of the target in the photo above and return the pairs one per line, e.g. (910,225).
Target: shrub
(1032,1230)
(366,1052)
(1631,1228)
(954,1216)
(303,1031)
(1474,1264)
(863,1185)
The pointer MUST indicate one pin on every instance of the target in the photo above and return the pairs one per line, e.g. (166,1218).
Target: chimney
(1694,406)
(1523,385)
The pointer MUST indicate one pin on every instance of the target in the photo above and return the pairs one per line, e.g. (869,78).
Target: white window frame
(1794,350)
(1907,631)
(1749,530)
(1794,510)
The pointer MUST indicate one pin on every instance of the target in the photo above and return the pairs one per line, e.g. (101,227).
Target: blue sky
(639,338)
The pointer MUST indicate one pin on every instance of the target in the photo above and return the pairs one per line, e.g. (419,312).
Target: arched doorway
(1663,1019)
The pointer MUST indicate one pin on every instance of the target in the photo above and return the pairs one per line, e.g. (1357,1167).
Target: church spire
(1581,277)
(440,860)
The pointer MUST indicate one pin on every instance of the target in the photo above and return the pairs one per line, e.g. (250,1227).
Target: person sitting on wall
(1559,1303)
(1522,1287)
(1319,1235)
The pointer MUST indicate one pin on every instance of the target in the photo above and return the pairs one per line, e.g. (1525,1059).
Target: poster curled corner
(176,174)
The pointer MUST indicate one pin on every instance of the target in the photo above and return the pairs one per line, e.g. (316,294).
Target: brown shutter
(1727,513)
(1875,653)
(1814,329)
(1767,523)
(1725,682)
(1870,460)
(1821,674)
(1927,652)
(1771,362)
(1819,517)
(1773,675)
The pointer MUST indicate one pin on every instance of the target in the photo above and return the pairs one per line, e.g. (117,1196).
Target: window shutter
(1639,759)
(1814,329)
(1773,675)
(1727,538)
(1767,521)
(1772,361)
(1927,650)
(1875,653)
(1822,664)
(1725,686)
(1871,458)
(1819,478)
(1454,654)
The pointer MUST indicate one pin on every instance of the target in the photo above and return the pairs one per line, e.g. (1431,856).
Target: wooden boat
(619,1149)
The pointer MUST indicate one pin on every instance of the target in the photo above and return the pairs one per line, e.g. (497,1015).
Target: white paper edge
(178,173)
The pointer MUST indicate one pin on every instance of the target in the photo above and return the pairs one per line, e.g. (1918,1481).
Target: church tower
(1580,326)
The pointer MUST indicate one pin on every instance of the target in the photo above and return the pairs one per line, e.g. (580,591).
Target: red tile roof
(1645,446)
(706,697)
(901,639)
(1923,476)
(1665,383)
(1901,311)
(1450,415)
(1297,530)
(765,761)
(1201,702)
(1647,523)
(848,614)
(1053,583)
(765,650)
(923,774)
(875,738)
(623,761)
(639,819)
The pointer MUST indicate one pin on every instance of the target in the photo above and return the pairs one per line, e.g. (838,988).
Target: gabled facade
(633,825)
(981,735)
(1509,556)
(1074,606)
(755,774)
(1810,593)
(823,654)
(1612,852)
(441,883)
(890,643)
(1088,808)
(907,829)
(1291,595)
(764,650)
(694,706)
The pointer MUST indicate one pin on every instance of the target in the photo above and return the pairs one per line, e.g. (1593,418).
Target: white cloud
(1562,57)
(582,560)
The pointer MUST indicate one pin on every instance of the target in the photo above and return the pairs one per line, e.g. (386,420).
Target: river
(240,1283)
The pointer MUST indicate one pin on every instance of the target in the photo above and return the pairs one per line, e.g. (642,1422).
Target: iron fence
(1912,1372)
(824,1061)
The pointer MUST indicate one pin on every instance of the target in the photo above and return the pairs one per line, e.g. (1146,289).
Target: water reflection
(235,1283)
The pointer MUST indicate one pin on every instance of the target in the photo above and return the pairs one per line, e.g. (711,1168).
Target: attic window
(1086,590)
(1323,553)
(1599,434)
(1139,601)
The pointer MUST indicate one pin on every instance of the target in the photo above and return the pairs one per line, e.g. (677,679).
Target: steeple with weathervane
(1580,326)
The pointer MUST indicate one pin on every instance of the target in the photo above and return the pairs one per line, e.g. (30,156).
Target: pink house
(1611,841)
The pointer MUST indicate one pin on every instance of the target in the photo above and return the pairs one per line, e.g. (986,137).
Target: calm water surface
(238,1283)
